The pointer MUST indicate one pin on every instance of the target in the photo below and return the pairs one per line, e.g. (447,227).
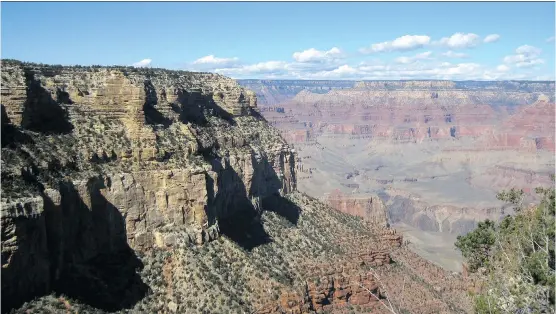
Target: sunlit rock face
(99,161)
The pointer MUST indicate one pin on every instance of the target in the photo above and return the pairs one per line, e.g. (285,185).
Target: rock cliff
(379,109)
(96,159)
(274,92)
(369,208)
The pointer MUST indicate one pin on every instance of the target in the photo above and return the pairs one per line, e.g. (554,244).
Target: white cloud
(143,63)
(211,63)
(452,54)
(415,70)
(372,68)
(269,67)
(460,41)
(550,39)
(314,55)
(332,64)
(503,68)
(462,68)
(404,43)
(503,72)
(528,50)
(212,60)
(431,71)
(420,56)
(343,70)
(491,38)
(391,71)
(525,56)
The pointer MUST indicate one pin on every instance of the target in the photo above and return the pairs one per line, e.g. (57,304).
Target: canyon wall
(403,110)
(101,161)
(369,208)
(436,152)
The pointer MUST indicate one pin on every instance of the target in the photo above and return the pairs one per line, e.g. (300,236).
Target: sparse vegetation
(517,256)
(476,246)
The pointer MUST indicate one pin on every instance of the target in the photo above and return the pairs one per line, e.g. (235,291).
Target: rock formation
(96,159)
(369,208)
(404,111)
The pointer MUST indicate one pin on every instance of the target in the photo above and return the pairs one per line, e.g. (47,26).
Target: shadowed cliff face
(134,161)
(42,113)
(89,255)
(70,245)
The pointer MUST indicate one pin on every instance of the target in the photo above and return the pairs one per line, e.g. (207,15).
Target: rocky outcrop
(330,293)
(335,287)
(97,162)
(333,292)
(369,208)
(531,128)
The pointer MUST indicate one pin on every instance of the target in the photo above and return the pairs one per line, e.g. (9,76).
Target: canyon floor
(434,246)
(452,179)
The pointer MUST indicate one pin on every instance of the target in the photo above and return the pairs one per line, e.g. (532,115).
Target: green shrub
(518,255)
(476,245)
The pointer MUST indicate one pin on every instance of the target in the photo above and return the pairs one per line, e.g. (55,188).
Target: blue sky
(337,40)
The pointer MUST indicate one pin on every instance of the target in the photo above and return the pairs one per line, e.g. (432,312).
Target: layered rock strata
(99,161)
(370,208)
(438,110)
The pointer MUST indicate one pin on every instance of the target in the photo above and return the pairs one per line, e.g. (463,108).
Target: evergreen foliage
(517,257)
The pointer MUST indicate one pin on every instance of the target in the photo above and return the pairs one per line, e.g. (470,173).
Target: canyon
(432,153)
(134,190)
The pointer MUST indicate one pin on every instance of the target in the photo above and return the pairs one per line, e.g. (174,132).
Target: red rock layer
(370,208)
(414,117)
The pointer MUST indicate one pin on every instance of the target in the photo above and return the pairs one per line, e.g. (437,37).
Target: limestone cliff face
(98,161)
(369,208)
